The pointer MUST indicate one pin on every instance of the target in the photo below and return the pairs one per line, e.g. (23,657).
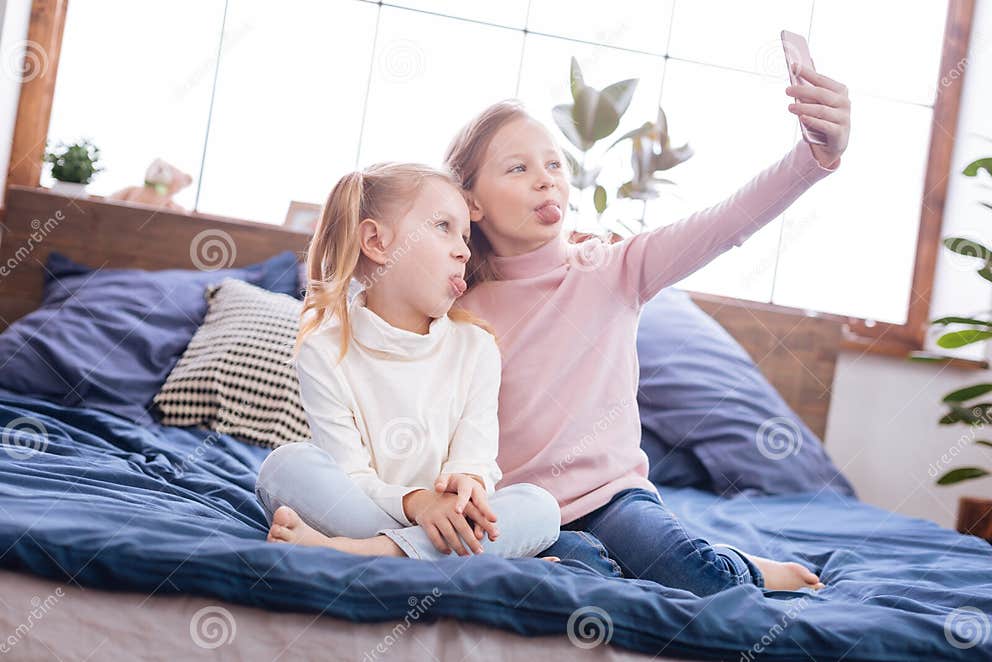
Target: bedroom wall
(882,427)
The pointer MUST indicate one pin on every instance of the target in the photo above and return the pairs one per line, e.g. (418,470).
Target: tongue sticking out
(549,214)
(458,285)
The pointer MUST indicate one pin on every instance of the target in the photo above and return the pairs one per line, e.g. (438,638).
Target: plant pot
(975,517)
(69,189)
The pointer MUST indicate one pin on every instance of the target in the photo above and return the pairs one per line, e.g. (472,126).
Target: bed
(123,538)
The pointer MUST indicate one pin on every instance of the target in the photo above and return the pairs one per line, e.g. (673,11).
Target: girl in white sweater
(400,392)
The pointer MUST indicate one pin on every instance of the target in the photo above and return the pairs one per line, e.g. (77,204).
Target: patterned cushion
(235,376)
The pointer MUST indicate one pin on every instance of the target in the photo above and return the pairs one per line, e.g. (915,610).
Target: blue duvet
(90,498)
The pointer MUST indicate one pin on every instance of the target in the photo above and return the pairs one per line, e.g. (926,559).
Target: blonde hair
(381,191)
(464,158)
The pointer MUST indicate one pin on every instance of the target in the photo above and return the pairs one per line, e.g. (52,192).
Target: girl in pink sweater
(566,318)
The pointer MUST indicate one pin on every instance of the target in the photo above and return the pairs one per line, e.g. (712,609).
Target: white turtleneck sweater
(402,408)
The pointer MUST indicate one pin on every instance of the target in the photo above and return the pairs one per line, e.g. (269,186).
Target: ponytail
(332,259)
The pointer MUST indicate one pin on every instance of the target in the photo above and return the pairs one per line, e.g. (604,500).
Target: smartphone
(797,52)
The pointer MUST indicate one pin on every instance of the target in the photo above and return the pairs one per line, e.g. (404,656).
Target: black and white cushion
(235,376)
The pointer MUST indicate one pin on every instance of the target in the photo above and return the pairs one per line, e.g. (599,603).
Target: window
(286,115)
(430,74)
(303,91)
(153,103)
(847,246)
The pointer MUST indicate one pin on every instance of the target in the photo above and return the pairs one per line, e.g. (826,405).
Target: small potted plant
(73,166)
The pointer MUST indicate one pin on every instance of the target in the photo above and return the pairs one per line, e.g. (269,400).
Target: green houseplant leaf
(972,414)
(963,473)
(971,170)
(620,95)
(968,393)
(599,199)
(961,320)
(967,247)
(956,339)
(576,81)
(562,115)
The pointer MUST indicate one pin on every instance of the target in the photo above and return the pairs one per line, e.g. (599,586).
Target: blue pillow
(108,338)
(710,419)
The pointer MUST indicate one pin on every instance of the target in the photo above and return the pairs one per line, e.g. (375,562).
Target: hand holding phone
(797,53)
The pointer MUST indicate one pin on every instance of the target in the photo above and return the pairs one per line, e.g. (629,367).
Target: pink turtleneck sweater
(566,319)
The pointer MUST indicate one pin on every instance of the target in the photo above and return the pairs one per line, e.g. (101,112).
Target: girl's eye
(556,164)
(516,166)
(444,223)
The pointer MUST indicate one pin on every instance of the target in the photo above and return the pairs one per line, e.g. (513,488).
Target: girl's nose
(545,181)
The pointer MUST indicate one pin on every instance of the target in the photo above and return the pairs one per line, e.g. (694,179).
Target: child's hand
(437,514)
(472,501)
(823,106)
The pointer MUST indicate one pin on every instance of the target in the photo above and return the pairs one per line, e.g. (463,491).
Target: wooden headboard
(795,351)
(119,235)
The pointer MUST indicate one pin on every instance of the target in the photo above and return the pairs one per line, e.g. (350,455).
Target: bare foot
(287,526)
(786,575)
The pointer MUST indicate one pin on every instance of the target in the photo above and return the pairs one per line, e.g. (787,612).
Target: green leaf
(926,357)
(986,272)
(662,123)
(968,393)
(573,163)
(673,157)
(642,130)
(599,199)
(620,94)
(961,320)
(576,82)
(973,414)
(595,117)
(967,247)
(958,475)
(961,338)
(981,164)
(562,115)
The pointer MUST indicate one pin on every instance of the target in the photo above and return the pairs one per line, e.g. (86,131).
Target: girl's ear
(475,212)
(373,239)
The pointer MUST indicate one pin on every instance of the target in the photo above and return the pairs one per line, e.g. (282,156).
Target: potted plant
(974,513)
(594,115)
(73,166)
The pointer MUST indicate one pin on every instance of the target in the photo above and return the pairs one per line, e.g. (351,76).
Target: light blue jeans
(305,477)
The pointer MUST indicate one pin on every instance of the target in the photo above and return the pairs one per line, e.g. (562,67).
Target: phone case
(797,51)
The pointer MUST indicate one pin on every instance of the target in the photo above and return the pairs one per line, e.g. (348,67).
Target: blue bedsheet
(93,499)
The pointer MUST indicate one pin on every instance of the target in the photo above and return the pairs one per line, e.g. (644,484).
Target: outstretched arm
(653,260)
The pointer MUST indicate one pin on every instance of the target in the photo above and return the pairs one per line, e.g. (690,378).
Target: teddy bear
(162,181)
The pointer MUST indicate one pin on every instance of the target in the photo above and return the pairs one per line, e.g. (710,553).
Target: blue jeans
(304,477)
(649,542)
(582,550)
